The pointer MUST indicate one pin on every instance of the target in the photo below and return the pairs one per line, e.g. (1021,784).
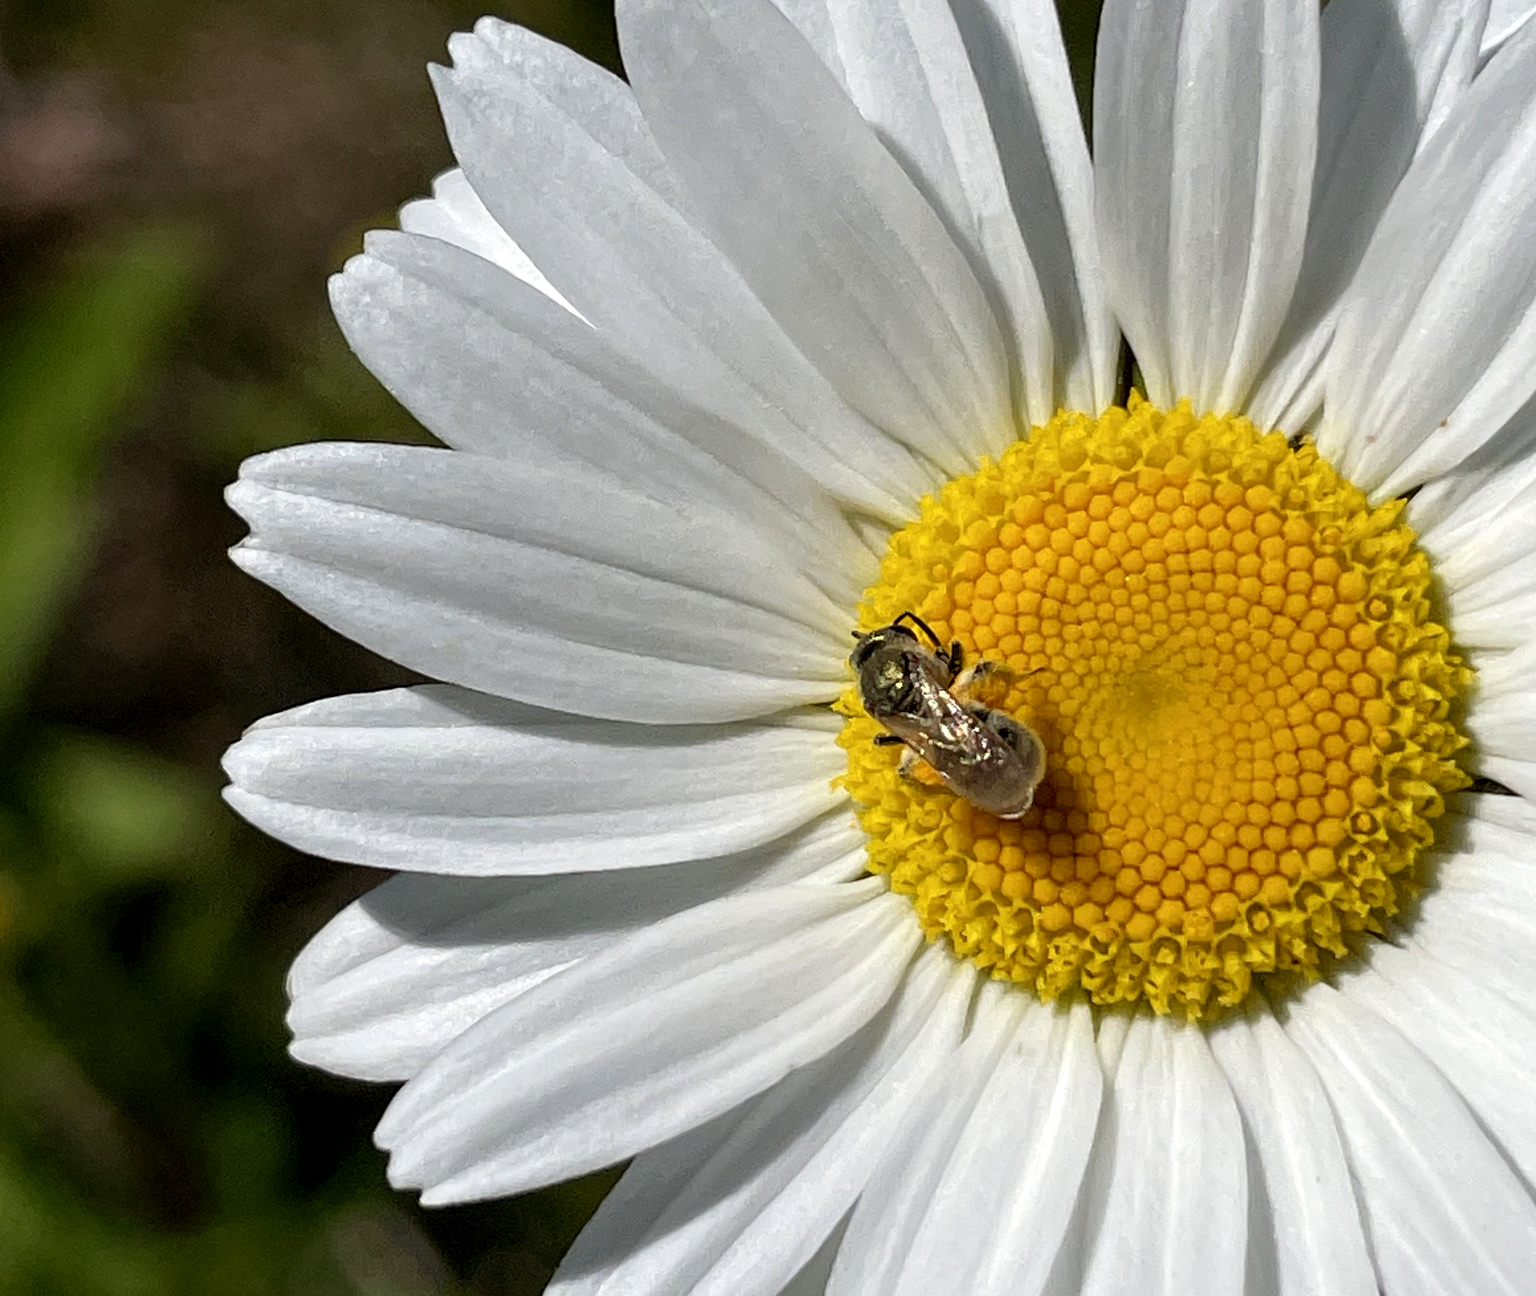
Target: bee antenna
(921,625)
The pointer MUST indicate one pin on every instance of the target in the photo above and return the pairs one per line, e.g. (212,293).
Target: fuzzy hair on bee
(920,692)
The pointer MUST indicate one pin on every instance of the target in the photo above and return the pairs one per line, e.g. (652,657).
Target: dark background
(177,180)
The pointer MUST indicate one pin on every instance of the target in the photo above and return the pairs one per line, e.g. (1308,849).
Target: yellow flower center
(1230,659)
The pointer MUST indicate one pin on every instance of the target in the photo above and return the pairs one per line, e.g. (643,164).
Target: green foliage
(69,367)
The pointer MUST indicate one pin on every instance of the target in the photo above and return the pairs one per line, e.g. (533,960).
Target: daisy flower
(817,321)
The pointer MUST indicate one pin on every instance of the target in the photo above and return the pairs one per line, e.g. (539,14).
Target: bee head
(888,662)
(873,642)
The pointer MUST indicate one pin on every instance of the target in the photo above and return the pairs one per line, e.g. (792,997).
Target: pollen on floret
(1245,699)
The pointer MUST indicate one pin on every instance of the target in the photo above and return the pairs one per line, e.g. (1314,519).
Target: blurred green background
(177,179)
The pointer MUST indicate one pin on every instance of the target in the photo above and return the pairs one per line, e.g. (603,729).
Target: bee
(919,692)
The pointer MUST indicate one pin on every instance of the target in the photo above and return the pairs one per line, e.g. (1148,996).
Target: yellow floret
(1245,700)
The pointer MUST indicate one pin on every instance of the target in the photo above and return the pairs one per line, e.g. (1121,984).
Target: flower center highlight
(1231,661)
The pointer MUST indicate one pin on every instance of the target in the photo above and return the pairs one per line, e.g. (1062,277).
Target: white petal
(1205,135)
(1109,1040)
(396,976)
(1502,717)
(1436,344)
(976,1196)
(441,780)
(1480,914)
(738,1206)
(903,64)
(669,1028)
(1016,50)
(1482,939)
(812,1279)
(1443,1211)
(595,100)
(1391,69)
(454,214)
(464,568)
(1304,1228)
(873,1257)
(558,152)
(1496,471)
(1503,814)
(821,221)
(1172,1165)
(495,369)
(1505,17)
(1482,1045)
(1499,610)
(1480,528)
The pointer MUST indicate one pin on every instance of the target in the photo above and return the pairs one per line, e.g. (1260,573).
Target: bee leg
(909,758)
(973,675)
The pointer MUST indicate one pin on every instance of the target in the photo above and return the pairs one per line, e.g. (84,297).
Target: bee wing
(983,756)
(944,733)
